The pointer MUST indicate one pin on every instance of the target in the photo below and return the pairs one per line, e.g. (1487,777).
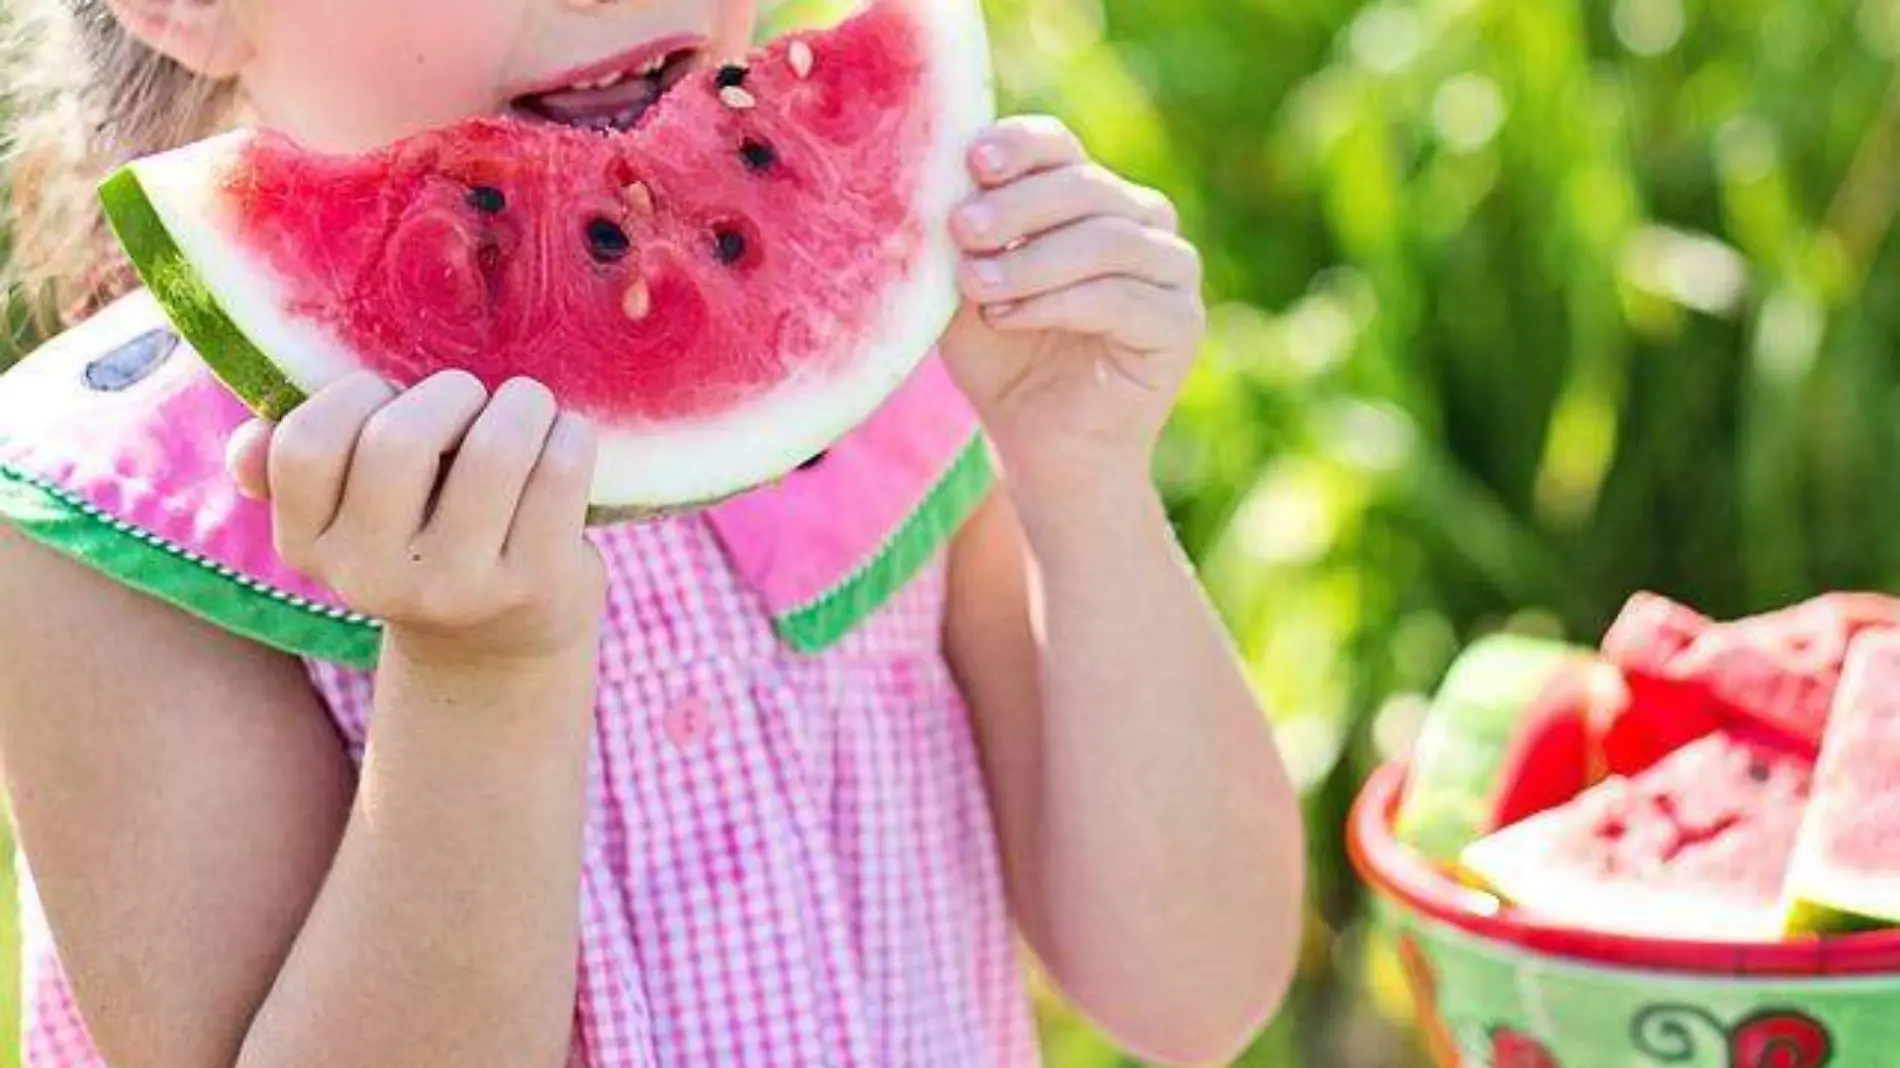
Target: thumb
(247,459)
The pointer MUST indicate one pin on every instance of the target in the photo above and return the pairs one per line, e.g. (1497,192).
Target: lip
(625,63)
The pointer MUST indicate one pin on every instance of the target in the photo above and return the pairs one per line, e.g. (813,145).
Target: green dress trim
(813,627)
(179,577)
(62,521)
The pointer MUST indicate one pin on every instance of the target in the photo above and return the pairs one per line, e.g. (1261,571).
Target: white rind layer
(679,463)
(1515,864)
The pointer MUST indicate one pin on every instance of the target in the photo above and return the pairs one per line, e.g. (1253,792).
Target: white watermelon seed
(800,57)
(639,198)
(736,98)
(637,301)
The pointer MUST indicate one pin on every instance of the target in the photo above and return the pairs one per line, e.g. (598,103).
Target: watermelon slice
(1779,669)
(725,267)
(1846,869)
(1510,733)
(1694,848)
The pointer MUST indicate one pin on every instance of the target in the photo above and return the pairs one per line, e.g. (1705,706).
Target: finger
(1041,202)
(310,455)
(1138,315)
(734,22)
(553,511)
(1097,247)
(483,489)
(398,458)
(1023,145)
(247,458)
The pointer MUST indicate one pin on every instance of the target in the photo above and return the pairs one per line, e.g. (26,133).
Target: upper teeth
(606,81)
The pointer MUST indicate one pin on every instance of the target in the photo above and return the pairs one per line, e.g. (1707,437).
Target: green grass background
(1518,306)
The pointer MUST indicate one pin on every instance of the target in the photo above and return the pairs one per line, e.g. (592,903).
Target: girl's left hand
(1082,309)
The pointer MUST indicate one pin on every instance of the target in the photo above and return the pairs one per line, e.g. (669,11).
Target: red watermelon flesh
(1778,669)
(1694,847)
(726,276)
(1645,642)
(412,273)
(1847,861)
(1783,667)
(1506,735)
(1556,754)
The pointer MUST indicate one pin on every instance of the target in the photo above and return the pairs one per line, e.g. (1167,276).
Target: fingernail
(1003,310)
(977,219)
(989,276)
(569,435)
(990,157)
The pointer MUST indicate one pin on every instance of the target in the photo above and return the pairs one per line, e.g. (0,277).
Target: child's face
(350,74)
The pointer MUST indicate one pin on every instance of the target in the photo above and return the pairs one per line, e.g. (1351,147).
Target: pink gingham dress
(789,856)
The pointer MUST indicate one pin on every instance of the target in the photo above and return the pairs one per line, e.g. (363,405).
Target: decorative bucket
(1495,989)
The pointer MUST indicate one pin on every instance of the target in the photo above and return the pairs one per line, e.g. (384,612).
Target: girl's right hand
(454,517)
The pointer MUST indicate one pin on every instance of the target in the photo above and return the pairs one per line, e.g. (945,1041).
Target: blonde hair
(82,97)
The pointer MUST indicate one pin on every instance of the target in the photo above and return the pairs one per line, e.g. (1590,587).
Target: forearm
(445,932)
(1158,773)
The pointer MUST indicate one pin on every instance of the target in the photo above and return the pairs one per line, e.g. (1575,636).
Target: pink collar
(111,451)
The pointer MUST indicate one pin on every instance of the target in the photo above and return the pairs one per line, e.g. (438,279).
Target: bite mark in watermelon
(1846,869)
(1695,847)
(724,290)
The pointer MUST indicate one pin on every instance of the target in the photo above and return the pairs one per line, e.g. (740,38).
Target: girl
(593,797)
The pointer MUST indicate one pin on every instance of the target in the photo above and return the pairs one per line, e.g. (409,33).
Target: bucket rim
(1402,874)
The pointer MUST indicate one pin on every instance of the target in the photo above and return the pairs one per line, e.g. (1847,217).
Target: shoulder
(112,440)
(82,456)
(99,681)
(56,612)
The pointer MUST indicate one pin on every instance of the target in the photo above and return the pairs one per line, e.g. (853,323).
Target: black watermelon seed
(729,246)
(730,76)
(130,363)
(1758,771)
(757,154)
(606,241)
(813,462)
(487,199)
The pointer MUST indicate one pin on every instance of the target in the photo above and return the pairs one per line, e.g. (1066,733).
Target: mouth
(613,94)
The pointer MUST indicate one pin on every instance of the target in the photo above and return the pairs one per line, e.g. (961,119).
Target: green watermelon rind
(1818,899)
(1459,754)
(189,303)
(1809,917)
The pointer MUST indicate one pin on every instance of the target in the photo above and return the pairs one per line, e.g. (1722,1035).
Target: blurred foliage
(1517,308)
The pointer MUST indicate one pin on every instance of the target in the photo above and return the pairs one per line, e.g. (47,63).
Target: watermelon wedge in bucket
(1844,875)
(1719,898)
(726,270)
